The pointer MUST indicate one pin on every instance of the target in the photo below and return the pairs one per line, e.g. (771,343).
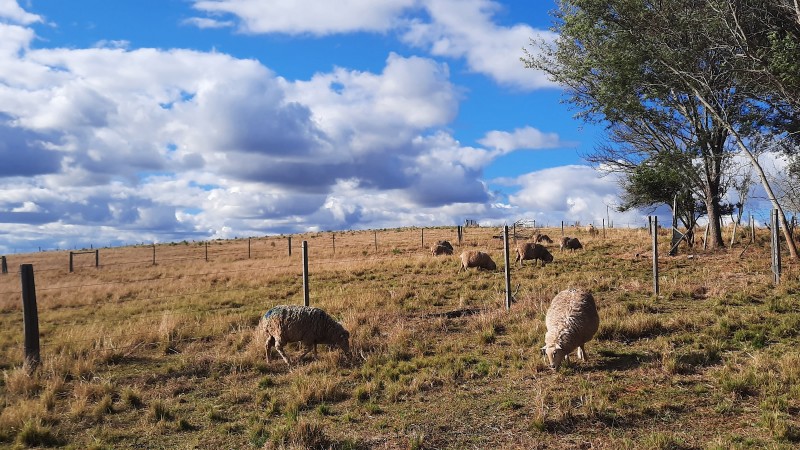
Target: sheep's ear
(543,350)
(558,347)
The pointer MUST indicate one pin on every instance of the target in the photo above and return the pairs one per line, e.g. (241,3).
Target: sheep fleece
(306,324)
(528,251)
(474,258)
(571,320)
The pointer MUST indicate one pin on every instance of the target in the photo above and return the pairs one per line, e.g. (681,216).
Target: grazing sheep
(442,248)
(475,258)
(526,250)
(305,324)
(571,321)
(539,238)
(591,230)
(570,244)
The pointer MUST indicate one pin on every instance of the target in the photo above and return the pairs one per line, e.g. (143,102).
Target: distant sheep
(569,243)
(539,238)
(527,250)
(305,324)
(475,258)
(591,230)
(442,248)
(571,321)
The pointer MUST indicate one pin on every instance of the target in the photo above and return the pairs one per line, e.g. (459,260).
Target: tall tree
(666,64)
(609,57)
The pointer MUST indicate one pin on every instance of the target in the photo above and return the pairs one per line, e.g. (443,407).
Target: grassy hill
(137,355)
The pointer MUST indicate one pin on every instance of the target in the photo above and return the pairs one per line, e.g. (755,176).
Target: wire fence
(114,308)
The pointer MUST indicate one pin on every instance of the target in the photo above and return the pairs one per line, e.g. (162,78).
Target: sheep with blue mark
(310,326)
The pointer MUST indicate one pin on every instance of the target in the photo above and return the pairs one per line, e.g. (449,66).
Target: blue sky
(163,120)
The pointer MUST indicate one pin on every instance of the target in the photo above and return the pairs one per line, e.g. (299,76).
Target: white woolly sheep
(570,244)
(442,248)
(310,326)
(475,258)
(527,250)
(572,321)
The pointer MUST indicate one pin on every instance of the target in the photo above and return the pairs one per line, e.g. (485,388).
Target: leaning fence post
(4,264)
(305,274)
(30,317)
(655,254)
(776,246)
(507,268)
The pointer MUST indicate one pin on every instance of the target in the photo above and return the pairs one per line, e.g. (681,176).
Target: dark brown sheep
(527,250)
(570,244)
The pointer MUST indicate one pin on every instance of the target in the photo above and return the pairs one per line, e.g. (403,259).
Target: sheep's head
(555,355)
(548,257)
(342,340)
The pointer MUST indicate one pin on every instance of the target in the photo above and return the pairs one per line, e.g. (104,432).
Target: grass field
(136,355)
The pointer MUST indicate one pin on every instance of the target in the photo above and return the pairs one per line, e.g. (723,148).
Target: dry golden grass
(136,355)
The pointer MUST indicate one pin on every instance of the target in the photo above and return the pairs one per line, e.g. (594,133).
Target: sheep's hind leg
(270,342)
(279,348)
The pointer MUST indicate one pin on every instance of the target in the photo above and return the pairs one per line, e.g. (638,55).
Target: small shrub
(34,434)
(132,398)
(159,412)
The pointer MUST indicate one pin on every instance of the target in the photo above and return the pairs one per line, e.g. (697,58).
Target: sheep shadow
(621,361)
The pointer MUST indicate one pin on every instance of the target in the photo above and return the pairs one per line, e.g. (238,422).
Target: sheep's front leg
(581,353)
(308,347)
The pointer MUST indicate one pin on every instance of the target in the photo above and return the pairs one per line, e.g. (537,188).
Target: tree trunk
(715,240)
(756,165)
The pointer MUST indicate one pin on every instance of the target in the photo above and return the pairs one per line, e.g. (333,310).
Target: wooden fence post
(376,241)
(154,253)
(562,228)
(30,318)
(206,251)
(752,229)
(70,262)
(776,246)
(290,246)
(4,264)
(306,300)
(423,238)
(507,267)
(333,242)
(248,248)
(97,258)
(655,254)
